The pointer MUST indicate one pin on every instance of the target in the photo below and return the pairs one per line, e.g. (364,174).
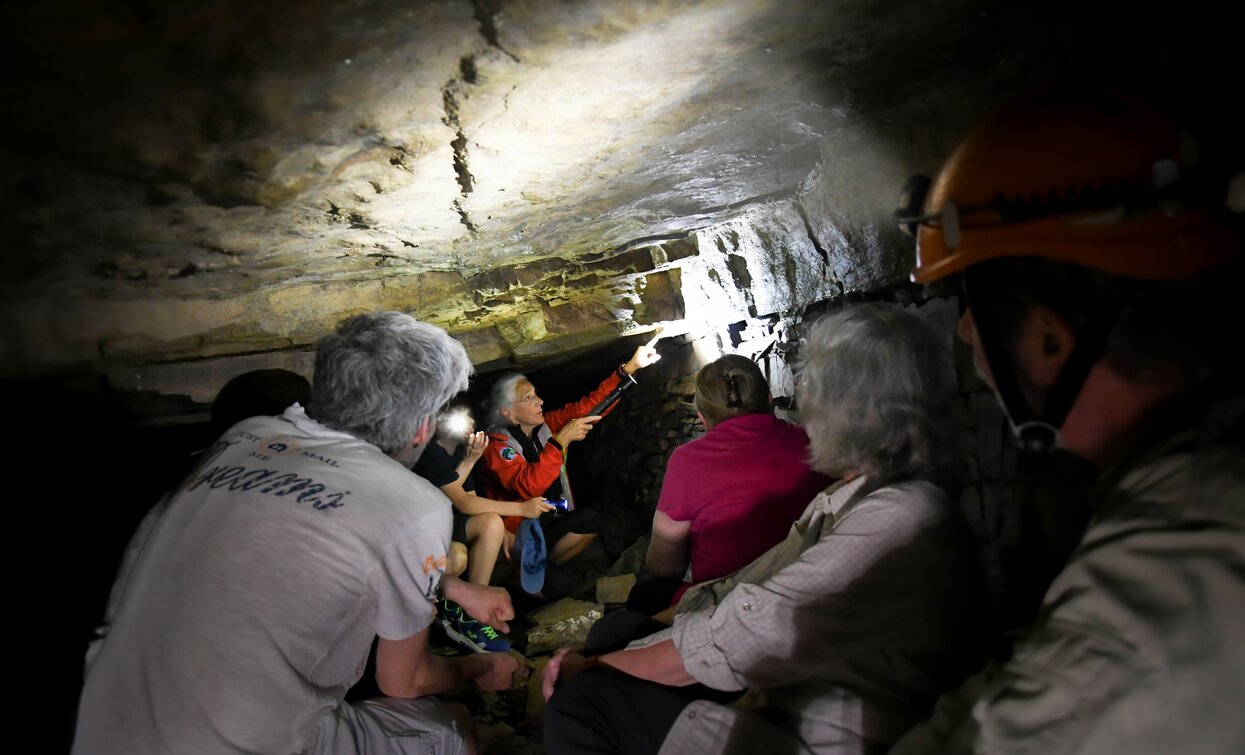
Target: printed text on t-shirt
(271,482)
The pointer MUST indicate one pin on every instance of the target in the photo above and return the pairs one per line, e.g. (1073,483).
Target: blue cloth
(531,543)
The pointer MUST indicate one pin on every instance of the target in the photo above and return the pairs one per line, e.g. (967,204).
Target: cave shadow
(84,471)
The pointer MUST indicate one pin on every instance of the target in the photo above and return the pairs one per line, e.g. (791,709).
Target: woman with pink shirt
(731,494)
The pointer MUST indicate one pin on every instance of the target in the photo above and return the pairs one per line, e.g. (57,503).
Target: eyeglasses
(532,399)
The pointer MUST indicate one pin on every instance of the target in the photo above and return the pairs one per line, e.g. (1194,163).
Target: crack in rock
(450,95)
(812,236)
(464,218)
(486,14)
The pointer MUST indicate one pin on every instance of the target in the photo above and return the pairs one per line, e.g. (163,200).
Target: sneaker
(466,631)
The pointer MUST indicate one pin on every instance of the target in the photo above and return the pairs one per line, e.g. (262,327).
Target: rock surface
(192,189)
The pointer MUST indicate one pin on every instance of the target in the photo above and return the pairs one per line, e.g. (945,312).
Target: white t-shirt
(251,608)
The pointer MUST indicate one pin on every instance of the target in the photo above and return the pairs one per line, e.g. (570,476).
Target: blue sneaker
(466,631)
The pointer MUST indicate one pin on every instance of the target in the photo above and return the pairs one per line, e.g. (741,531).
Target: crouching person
(249,600)
(846,631)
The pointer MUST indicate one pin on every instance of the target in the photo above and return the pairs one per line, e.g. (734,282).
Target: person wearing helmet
(1098,258)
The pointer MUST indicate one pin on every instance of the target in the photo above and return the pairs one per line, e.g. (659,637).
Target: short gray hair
(502,394)
(381,375)
(876,391)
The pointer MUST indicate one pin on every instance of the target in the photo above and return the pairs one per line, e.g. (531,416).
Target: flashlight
(457,423)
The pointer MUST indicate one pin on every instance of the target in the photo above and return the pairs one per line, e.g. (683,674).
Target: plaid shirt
(844,632)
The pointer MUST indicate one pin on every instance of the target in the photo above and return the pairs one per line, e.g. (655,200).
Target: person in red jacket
(526,453)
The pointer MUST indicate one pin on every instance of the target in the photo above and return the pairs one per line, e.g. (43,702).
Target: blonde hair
(731,386)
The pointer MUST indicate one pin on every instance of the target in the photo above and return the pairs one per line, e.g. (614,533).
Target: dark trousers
(653,595)
(555,524)
(606,711)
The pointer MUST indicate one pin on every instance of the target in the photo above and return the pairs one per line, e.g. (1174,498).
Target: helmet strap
(1034,433)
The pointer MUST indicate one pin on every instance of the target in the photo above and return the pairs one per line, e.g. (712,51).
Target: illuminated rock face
(192,191)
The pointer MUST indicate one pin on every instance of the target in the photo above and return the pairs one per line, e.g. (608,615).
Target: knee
(456,562)
(491,527)
(574,539)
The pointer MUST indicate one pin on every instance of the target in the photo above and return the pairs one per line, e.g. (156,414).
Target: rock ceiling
(208,180)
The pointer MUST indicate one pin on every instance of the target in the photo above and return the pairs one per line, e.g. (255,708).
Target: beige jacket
(1140,645)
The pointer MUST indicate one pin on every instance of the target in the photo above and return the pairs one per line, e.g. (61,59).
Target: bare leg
(486,533)
(569,546)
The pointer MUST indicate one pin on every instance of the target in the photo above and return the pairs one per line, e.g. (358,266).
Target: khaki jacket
(1140,644)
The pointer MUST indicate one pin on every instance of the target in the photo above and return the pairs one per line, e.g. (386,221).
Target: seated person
(848,629)
(731,494)
(478,531)
(263,392)
(257,392)
(248,600)
(527,452)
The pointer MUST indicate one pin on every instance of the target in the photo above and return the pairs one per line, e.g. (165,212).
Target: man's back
(1138,648)
(252,607)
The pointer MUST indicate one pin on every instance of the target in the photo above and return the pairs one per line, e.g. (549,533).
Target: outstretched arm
(643,357)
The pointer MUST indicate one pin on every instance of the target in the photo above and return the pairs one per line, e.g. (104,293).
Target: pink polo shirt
(741,485)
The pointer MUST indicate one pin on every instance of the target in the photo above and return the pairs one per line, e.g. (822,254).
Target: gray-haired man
(249,599)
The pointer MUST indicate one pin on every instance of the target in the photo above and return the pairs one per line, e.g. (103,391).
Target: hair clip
(733,399)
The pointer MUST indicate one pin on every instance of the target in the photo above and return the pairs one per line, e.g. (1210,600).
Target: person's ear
(1045,342)
(424,432)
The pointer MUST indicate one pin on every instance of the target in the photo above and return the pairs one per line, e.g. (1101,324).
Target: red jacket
(507,476)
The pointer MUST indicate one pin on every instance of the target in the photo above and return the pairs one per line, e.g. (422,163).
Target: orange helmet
(1087,177)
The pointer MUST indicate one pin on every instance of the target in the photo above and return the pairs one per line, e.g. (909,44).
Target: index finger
(593,418)
(656,335)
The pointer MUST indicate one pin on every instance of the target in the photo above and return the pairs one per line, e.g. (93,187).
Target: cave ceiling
(198,180)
